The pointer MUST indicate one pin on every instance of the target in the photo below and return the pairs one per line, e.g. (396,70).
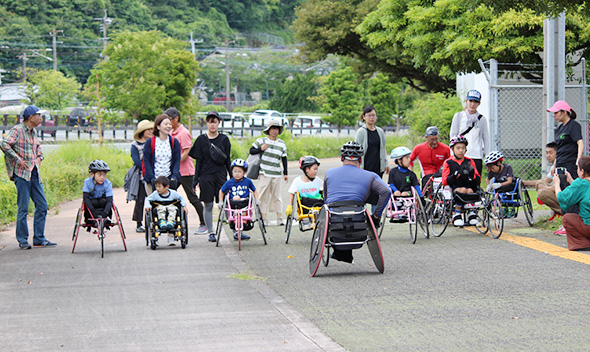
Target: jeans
(26,190)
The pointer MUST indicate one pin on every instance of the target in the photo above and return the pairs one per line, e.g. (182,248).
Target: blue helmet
(399,153)
(239,162)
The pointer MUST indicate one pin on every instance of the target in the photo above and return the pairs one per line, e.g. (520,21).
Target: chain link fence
(518,120)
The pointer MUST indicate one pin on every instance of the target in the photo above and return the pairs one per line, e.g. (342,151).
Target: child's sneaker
(306,224)
(171,241)
(162,225)
(458,220)
(170,225)
(243,237)
(472,217)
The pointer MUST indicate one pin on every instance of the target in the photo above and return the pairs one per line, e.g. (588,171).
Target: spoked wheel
(326,255)
(148,225)
(290,219)
(183,231)
(318,242)
(525,201)
(496,216)
(421,217)
(384,218)
(220,221)
(483,219)
(261,223)
(439,215)
(77,226)
(120,225)
(101,235)
(413,223)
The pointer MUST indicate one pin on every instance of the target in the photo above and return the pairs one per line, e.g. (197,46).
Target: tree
(294,94)
(340,97)
(51,89)
(145,73)
(435,109)
(385,97)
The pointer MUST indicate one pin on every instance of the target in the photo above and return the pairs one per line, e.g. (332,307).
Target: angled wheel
(496,216)
(77,225)
(101,235)
(260,223)
(374,244)
(290,219)
(120,225)
(220,221)
(439,215)
(318,242)
(483,220)
(413,223)
(384,217)
(183,230)
(148,227)
(526,203)
(421,217)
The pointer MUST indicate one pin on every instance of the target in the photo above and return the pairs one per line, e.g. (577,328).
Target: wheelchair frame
(439,205)
(312,213)
(239,216)
(518,197)
(320,243)
(100,228)
(153,232)
(412,208)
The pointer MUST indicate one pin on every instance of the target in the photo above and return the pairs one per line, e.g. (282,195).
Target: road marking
(544,247)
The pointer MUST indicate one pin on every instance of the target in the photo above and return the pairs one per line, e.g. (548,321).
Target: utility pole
(34,52)
(104,23)
(24,57)
(227,90)
(54,35)
(193,42)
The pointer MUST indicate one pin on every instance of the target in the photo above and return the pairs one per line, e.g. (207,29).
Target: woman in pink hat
(568,137)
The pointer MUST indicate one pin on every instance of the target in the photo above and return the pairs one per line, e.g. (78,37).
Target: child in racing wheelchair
(239,188)
(166,213)
(310,188)
(460,173)
(500,176)
(402,179)
(97,195)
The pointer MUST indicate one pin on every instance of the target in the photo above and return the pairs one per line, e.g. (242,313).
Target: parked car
(48,124)
(233,123)
(81,117)
(310,125)
(260,118)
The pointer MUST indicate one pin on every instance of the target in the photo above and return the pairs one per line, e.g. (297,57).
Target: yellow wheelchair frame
(311,214)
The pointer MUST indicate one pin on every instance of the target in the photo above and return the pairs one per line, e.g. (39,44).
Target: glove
(220,205)
(471,171)
(496,185)
(465,172)
(289,210)
(489,188)
(376,221)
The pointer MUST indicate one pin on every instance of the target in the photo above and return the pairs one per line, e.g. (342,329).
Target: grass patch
(63,173)
(245,277)
(553,225)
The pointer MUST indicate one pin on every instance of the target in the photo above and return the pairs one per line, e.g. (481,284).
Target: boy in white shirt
(309,186)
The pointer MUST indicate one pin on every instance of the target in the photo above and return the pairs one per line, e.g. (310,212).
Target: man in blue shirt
(351,183)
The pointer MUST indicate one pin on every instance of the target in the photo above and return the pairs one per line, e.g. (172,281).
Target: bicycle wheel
(384,218)
(318,242)
(77,226)
(525,201)
(483,219)
(413,223)
(101,235)
(290,219)
(260,222)
(421,217)
(220,221)
(183,230)
(496,216)
(439,215)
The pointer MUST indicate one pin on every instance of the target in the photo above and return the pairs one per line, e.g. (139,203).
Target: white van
(260,118)
(233,123)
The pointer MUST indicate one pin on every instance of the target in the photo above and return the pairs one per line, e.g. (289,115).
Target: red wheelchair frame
(99,224)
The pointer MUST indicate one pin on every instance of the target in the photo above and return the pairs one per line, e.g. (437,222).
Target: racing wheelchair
(304,212)
(406,209)
(98,226)
(153,231)
(438,205)
(240,216)
(488,208)
(513,200)
(343,226)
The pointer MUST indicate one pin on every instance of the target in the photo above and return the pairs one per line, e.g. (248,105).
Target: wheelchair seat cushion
(467,197)
(238,204)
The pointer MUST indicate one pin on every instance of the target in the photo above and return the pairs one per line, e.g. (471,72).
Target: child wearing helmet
(500,175)
(97,192)
(401,178)
(309,186)
(166,213)
(460,173)
(239,188)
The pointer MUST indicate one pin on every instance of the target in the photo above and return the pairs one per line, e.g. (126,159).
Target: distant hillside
(27,25)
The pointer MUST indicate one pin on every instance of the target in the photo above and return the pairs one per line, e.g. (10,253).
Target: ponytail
(572,114)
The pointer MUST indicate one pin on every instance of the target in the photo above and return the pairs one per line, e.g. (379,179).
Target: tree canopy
(51,89)
(294,94)
(145,73)
(340,96)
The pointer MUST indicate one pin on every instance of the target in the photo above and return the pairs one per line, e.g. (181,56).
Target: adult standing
(274,153)
(577,226)
(161,154)
(372,139)
(23,157)
(211,152)
(145,130)
(473,126)
(187,165)
(431,154)
(568,137)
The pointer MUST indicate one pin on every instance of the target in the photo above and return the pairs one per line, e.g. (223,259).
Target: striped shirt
(270,162)
(21,143)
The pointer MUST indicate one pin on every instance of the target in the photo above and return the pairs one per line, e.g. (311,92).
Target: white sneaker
(171,241)
(280,222)
(472,216)
(306,225)
(458,220)
(202,230)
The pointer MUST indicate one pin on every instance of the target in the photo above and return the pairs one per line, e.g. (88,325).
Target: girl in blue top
(239,188)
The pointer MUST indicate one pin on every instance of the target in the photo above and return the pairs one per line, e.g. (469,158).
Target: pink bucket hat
(560,105)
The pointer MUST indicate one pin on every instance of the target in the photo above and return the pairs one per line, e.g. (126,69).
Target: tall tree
(145,73)
(51,89)
(385,97)
(294,95)
(340,97)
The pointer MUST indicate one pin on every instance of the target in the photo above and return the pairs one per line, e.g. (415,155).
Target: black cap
(213,113)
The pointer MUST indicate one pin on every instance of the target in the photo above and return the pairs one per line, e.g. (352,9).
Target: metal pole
(54,42)
(494,118)
(550,77)
(560,52)
(227,100)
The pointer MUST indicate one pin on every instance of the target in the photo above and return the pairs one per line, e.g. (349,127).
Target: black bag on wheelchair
(347,224)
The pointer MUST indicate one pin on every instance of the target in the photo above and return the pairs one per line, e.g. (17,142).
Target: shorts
(210,184)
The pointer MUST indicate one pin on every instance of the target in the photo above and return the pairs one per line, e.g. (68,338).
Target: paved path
(141,300)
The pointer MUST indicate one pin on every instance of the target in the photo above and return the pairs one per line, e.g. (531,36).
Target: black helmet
(306,161)
(458,139)
(352,150)
(98,165)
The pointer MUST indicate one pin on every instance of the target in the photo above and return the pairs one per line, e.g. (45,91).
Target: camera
(560,170)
